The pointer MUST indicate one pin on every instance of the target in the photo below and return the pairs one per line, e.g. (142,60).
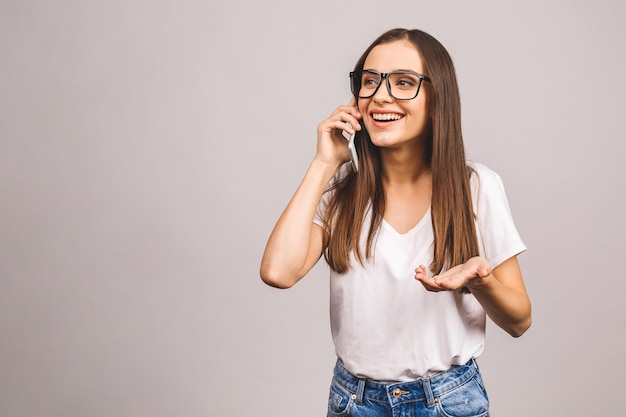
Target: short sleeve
(321,208)
(497,234)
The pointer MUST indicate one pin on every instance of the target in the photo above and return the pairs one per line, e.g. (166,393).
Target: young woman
(421,243)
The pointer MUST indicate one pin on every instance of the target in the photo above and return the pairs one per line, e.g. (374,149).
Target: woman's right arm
(296,243)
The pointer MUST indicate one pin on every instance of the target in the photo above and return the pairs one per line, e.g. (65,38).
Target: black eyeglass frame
(385,76)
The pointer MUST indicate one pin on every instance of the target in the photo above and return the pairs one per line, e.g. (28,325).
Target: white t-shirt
(385,325)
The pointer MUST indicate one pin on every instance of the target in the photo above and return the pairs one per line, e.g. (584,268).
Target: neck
(403,166)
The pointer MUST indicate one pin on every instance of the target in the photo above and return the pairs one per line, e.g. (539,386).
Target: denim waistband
(423,389)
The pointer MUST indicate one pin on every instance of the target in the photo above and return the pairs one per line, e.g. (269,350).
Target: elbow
(276,279)
(521,327)
(523,322)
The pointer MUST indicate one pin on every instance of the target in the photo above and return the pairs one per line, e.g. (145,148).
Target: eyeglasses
(401,85)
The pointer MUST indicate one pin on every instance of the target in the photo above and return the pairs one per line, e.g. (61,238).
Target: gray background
(148,147)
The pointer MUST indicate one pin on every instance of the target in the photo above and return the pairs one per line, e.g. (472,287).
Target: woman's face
(393,123)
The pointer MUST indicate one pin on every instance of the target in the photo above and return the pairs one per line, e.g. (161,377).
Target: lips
(386,117)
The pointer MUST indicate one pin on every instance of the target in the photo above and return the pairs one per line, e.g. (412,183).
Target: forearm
(500,291)
(508,307)
(289,253)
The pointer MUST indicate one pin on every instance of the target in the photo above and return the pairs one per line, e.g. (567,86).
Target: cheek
(420,114)
(362,104)
(420,125)
(367,122)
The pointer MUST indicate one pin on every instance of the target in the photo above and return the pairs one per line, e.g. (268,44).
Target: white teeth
(386,116)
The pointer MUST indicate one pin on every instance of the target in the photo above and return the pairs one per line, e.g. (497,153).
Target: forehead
(394,56)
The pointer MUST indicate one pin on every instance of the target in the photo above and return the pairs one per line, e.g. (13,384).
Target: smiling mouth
(386,117)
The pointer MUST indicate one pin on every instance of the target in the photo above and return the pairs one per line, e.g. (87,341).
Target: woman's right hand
(297,242)
(332,146)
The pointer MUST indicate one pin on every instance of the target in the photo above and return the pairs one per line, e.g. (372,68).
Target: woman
(421,243)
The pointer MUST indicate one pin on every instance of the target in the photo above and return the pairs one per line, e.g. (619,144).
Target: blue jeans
(458,392)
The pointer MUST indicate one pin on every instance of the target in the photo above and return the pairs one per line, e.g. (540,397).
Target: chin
(384,140)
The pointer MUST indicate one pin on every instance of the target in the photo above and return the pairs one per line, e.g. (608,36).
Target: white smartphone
(354,157)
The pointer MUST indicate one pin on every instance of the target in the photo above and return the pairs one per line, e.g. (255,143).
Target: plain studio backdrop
(148,147)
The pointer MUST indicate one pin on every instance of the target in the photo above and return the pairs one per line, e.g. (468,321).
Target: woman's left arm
(500,290)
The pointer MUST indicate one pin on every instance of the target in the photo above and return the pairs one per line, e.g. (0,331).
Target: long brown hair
(355,195)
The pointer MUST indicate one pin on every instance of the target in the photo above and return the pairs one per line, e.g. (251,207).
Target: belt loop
(359,391)
(430,398)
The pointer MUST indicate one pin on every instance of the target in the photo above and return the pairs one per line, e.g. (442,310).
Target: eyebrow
(397,69)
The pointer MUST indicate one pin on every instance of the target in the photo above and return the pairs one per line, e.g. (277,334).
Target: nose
(382,94)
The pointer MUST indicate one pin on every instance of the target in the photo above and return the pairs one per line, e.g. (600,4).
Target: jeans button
(397,393)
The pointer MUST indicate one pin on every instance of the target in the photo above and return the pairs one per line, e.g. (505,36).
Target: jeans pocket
(467,400)
(340,401)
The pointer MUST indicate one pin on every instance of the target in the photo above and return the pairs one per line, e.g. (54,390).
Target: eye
(405,82)
(369,80)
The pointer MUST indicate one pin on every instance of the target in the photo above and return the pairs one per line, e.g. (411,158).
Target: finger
(342,125)
(348,123)
(450,283)
(429,283)
(352,110)
(348,128)
(444,283)
(483,271)
(429,288)
(353,117)
(420,276)
(353,103)
(346,115)
(421,270)
(340,120)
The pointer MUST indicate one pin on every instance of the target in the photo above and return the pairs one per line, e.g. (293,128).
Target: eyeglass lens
(401,85)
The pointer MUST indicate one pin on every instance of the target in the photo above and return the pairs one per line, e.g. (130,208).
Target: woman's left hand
(500,291)
(468,274)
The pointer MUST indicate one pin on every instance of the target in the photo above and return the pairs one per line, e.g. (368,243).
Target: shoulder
(498,235)
(483,179)
(485,183)
(481,172)
(342,173)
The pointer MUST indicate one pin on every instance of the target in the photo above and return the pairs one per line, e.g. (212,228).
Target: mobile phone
(354,157)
